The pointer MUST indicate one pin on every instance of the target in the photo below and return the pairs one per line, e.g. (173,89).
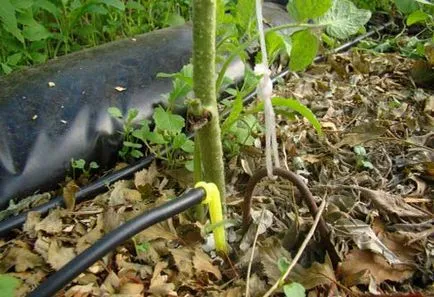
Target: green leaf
(304,49)
(22,4)
(132,114)
(166,121)
(300,108)
(294,290)
(48,6)
(36,32)
(114,3)
(188,146)
(359,150)
(296,106)
(156,138)
(417,16)
(277,43)
(132,144)
(406,6)
(8,285)
(9,20)
(143,132)
(93,165)
(115,112)
(6,69)
(179,140)
(182,83)
(245,12)
(79,164)
(14,59)
(136,154)
(283,264)
(302,10)
(134,5)
(234,115)
(344,19)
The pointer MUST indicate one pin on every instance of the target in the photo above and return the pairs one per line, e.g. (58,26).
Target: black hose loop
(111,240)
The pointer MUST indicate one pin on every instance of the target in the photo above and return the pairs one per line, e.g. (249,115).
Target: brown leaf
(132,289)
(183,258)
(33,218)
(52,224)
(146,177)
(160,230)
(269,253)
(82,291)
(93,235)
(159,285)
(20,258)
(59,255)
(392,204)
(69,194)
(317,275)
(358,261)
(203,263)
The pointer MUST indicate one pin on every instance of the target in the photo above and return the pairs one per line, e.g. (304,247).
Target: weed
(166,137)
(130,147)
(362,161)
(80,165)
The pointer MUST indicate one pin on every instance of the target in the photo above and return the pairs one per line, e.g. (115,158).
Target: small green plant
(166,136)
(80,166)
(130,146)
(362,161)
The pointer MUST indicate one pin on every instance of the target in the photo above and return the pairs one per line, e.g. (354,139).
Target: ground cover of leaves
(374,166)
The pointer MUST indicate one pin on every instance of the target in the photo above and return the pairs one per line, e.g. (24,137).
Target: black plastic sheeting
(58,111)
(43,127)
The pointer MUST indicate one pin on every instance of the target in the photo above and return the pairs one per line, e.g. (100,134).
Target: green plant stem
(199,210)
(204,87)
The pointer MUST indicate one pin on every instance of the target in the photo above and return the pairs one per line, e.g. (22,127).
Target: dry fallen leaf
(159,285)
(365,238)
(316,275)
(59,255)
(160,230)
(69,194)
(203,263)
(132,289)
(90,237)
(183,258)
(146,177)
(358,261)
(20,258)
(52,223)
(392,204)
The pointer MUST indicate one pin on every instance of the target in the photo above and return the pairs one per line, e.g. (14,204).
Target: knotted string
(265,91)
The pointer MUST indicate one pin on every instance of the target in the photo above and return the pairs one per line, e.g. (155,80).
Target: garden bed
(373,166)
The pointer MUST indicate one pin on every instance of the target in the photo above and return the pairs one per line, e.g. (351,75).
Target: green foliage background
(32,31)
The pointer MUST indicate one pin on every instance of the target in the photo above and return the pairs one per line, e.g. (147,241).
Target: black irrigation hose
(84,193)
(97,187)
(111,240)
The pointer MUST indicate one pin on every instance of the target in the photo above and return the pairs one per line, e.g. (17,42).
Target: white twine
(265,91)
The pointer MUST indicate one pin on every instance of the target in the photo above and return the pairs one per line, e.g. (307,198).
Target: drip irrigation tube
(99,186)
(107,243)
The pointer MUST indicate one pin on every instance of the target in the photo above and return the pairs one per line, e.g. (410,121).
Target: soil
(373,166)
